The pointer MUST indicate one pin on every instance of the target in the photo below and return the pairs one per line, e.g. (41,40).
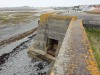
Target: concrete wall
(91,24)
(75,55)
(54,28)
(95,22)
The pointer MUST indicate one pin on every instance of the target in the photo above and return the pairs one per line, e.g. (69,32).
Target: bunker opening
(52,45)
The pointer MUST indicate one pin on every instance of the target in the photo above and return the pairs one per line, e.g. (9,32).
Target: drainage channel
(17,62)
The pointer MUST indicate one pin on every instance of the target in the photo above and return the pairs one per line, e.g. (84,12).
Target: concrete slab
(75,56)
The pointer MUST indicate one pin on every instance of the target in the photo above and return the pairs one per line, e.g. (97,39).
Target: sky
(46,3)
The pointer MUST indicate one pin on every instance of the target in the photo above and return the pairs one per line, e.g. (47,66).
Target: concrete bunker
(50,34)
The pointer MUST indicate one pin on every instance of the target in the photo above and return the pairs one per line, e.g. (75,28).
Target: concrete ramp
(75,56)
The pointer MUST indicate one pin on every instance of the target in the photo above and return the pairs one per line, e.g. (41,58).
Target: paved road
(88,18)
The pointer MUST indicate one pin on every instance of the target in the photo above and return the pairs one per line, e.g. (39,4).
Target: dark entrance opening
(52,46)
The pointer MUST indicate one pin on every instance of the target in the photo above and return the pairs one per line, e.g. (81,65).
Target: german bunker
(50,34)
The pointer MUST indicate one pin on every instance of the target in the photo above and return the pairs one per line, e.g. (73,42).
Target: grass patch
(94,38)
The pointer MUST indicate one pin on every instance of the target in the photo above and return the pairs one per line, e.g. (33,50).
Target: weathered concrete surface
(51,26)
(75,56)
